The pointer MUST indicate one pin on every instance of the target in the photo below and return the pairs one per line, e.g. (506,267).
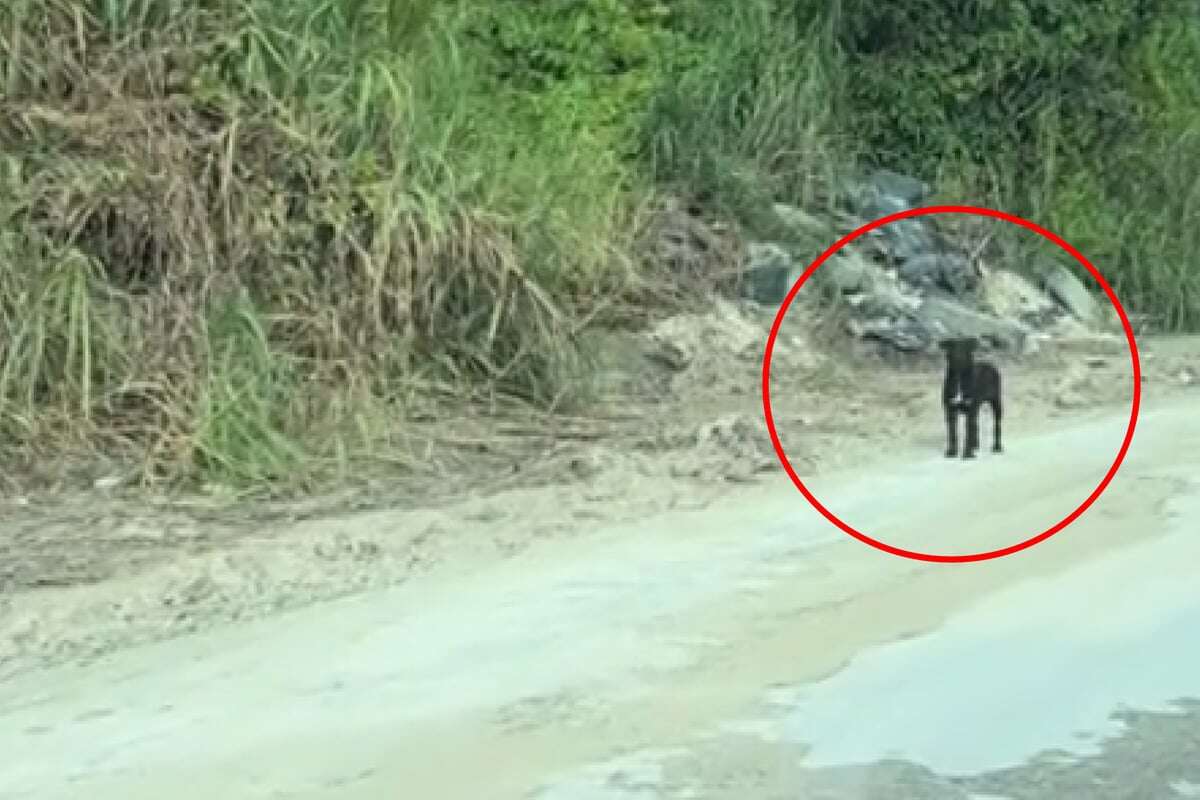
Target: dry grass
(254,242)
(193,279)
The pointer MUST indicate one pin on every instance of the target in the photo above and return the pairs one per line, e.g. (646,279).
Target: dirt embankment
(83,573)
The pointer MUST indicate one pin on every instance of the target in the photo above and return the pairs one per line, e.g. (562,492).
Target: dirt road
(748,650)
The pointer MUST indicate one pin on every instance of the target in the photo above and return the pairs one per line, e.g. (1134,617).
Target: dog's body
(967,386)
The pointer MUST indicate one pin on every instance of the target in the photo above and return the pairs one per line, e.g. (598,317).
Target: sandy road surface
(687,645)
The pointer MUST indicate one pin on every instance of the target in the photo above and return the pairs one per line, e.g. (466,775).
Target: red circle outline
(953,209)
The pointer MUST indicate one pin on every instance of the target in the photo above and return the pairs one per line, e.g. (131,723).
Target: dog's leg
(996,416)
(951,429)
(972,430)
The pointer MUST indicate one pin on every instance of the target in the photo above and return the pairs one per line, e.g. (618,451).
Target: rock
(847,271)
(1065,328)
(679,341)
(923,271)
(905,286)
(712,340)
(958,276)
(770,274)
(1010,296)
(887,298)
(886,192)
(907,189)
(676,356)
(875,205)
(908,239)
(903,334)
(1069,291)
(944,317)
(951,272)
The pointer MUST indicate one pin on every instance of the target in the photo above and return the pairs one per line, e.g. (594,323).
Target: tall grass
(239,241)
(1131,210)
(753,117)
(1122,188)
(1156,186)
(236,235)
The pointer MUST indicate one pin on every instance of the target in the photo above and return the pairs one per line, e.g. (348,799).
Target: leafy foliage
(236,237)
(933,79)
(584,67)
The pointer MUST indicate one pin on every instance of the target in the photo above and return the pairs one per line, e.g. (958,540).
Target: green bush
(578,67)
(345,175)
(238,239)
(931,79)
(748,113)
(1082,114)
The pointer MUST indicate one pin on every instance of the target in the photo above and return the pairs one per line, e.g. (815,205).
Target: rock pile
(907,286)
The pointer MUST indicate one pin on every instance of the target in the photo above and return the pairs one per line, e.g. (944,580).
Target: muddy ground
(87,571)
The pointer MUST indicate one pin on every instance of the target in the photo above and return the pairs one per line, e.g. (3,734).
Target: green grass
(345,169)
(241,242)
(753,118)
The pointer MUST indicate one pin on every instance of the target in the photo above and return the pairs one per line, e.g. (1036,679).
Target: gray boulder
(885,299)
(1008,295)
(937,317)
(903,334)
(908,239)
(951,272)
(945,317)
(886,192)
(876,205)
(908,189)
(1061,284)
(847,272)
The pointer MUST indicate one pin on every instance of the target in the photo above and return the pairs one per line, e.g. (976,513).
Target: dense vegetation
(238,240)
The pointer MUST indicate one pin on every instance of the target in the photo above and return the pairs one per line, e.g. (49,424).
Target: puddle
(1040,667)
(638,776)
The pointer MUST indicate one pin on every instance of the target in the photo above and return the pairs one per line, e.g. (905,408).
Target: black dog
(967,386)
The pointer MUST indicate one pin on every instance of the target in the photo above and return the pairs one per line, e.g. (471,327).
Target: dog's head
(960,352)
